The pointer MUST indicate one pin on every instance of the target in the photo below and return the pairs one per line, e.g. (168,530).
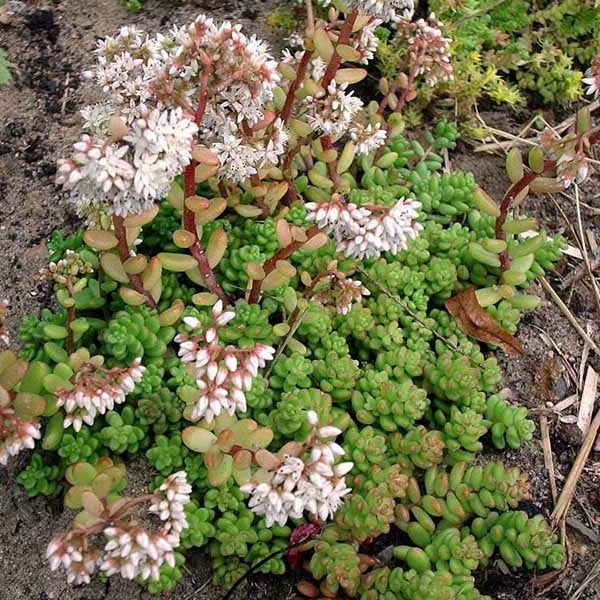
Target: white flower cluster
(129,174)
(368,230)
(592,79)
(427,48)
(170,508)
(242,77)
(367,137)
(130,549)
(315,484)
(134,145)
(16,434)
(223,373)
(134,552)
(93,394)
(332,113)
(386,10)
(141,136)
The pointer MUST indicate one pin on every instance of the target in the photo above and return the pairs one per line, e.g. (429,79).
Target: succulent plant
(229,446)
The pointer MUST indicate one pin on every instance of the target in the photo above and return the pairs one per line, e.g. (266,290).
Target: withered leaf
(475,321)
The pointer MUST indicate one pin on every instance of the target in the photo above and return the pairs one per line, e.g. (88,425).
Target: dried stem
(282,254)
(564,500)
(123,248)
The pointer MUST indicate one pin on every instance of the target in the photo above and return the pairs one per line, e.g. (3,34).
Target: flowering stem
(332,164)
(514,190)
(286,111)
(310,18)
(189,186)
(282,254)
(336,60)
(260,200)
(123,248)
(196,250)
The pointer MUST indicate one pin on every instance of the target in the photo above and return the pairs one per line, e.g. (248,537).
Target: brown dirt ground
(49,44)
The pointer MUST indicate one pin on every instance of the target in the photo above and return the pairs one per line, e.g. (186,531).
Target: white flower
(387,10)
(367,138)
(223,373)
(315,484)
(16,434)
(96,391)
(367,232)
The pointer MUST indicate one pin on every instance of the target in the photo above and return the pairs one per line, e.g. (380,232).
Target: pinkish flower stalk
(311,480)
(223,373)
(337,289)
(367,230)
(16,434)
(592,79)
(97,390)
(131,549)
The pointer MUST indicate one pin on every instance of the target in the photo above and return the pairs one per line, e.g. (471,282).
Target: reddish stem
(282,254)
(189,187)
(123,248)
(286,111)
(336,60)
(260,200)
(514,190)
(414,71)
(196,250)
(327,144)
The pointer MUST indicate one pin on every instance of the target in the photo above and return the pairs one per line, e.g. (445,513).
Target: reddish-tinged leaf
(475,321)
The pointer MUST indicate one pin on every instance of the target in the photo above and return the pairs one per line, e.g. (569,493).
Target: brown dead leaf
(475,321)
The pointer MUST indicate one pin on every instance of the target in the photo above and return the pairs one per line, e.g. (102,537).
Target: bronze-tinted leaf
(215,249)
(176,262)
(198,439)
(99,239)
(171,315)
(266,460)
(284,235)
(306,588)
(113,267)
(352,75)
(91,503)
(475,321)
(143,218)
(131,297)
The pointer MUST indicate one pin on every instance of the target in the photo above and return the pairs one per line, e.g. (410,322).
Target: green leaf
(198,439)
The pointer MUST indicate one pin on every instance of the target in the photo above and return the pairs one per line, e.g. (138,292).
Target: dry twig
(564,500)
(565,310)
(548,460)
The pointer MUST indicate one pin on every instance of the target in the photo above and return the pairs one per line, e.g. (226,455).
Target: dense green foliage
(414,395)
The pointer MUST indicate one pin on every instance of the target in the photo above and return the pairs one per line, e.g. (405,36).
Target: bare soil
(49,43)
